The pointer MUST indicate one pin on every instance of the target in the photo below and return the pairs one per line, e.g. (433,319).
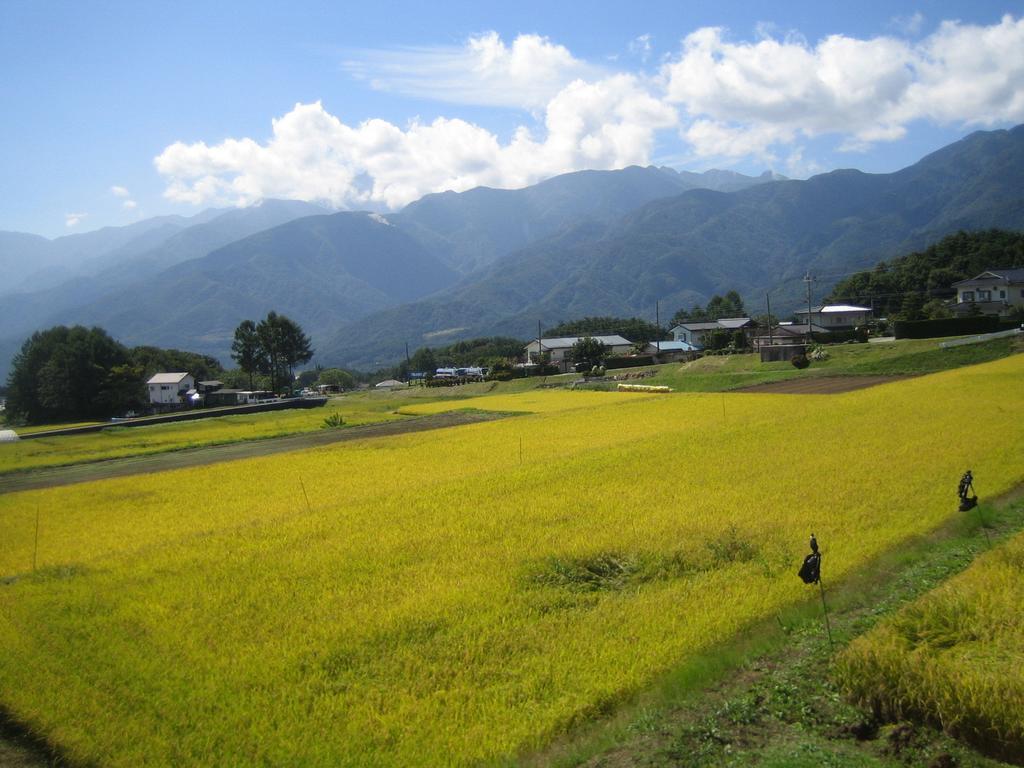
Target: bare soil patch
(820,385)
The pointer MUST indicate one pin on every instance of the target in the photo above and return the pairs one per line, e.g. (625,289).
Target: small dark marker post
(35,549)
(303,486)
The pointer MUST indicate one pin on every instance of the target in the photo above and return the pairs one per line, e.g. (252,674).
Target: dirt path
(819,385)
(194,457)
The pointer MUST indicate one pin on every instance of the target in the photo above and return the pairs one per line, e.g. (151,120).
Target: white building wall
(991,290)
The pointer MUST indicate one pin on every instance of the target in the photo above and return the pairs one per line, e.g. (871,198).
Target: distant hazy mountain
(682,249)
(30,262)
(320,270)
(472,229)
(445,234)
(106,273)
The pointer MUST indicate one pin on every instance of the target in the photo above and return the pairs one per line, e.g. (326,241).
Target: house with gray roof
(693,333)
(836,317)
(993,292)
(559,348)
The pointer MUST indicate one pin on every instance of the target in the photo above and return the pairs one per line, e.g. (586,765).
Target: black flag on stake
(967,502)
(810,571)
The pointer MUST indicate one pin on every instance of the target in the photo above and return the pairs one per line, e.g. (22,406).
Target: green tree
(154,360)
(423,360)
(730,305)
(297,347)
(911,307)
(336,377)
(66,374)
(309,377)
(282,345)
(632,328)
(246,349)
(936,309)
(588,350)
(236,378)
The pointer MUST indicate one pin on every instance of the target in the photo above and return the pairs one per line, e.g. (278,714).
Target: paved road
(194,457)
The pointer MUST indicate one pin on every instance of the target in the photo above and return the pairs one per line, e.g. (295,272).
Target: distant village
(993,294)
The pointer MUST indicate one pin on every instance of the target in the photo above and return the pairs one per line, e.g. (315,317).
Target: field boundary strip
(52,477)
(821,385)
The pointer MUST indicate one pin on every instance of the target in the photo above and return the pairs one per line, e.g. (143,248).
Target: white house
(837,317)
(169,388)
(993,292)
(560,348)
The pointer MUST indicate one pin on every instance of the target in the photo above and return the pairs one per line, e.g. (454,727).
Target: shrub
(332,421)
(800,361)
(818,352)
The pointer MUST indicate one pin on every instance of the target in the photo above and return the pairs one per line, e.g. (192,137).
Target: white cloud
(641,46)
(74,219)
(312,155)
(745,98)
(126,197)
(484,71)
(908,25)
(739,100)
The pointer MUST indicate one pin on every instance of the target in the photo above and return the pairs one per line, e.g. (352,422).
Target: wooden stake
(303,485)
(824,607)
(35,550)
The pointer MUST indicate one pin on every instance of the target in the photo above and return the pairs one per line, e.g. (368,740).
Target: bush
(800,361)
(818,353)
(332,421)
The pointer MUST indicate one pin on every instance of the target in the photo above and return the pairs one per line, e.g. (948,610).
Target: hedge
(949,326)
(628,362)
(838,337)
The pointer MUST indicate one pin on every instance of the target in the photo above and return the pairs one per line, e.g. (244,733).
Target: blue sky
(118,111)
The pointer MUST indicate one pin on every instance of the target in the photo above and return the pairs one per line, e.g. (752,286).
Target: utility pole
(807,281)
(657,322)
(768,300)
(540,347)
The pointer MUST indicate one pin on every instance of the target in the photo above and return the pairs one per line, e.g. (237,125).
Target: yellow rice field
(117,442)
(460,596)
(533,401)
(953,657)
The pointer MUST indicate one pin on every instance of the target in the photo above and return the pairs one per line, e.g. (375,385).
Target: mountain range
(489,261)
